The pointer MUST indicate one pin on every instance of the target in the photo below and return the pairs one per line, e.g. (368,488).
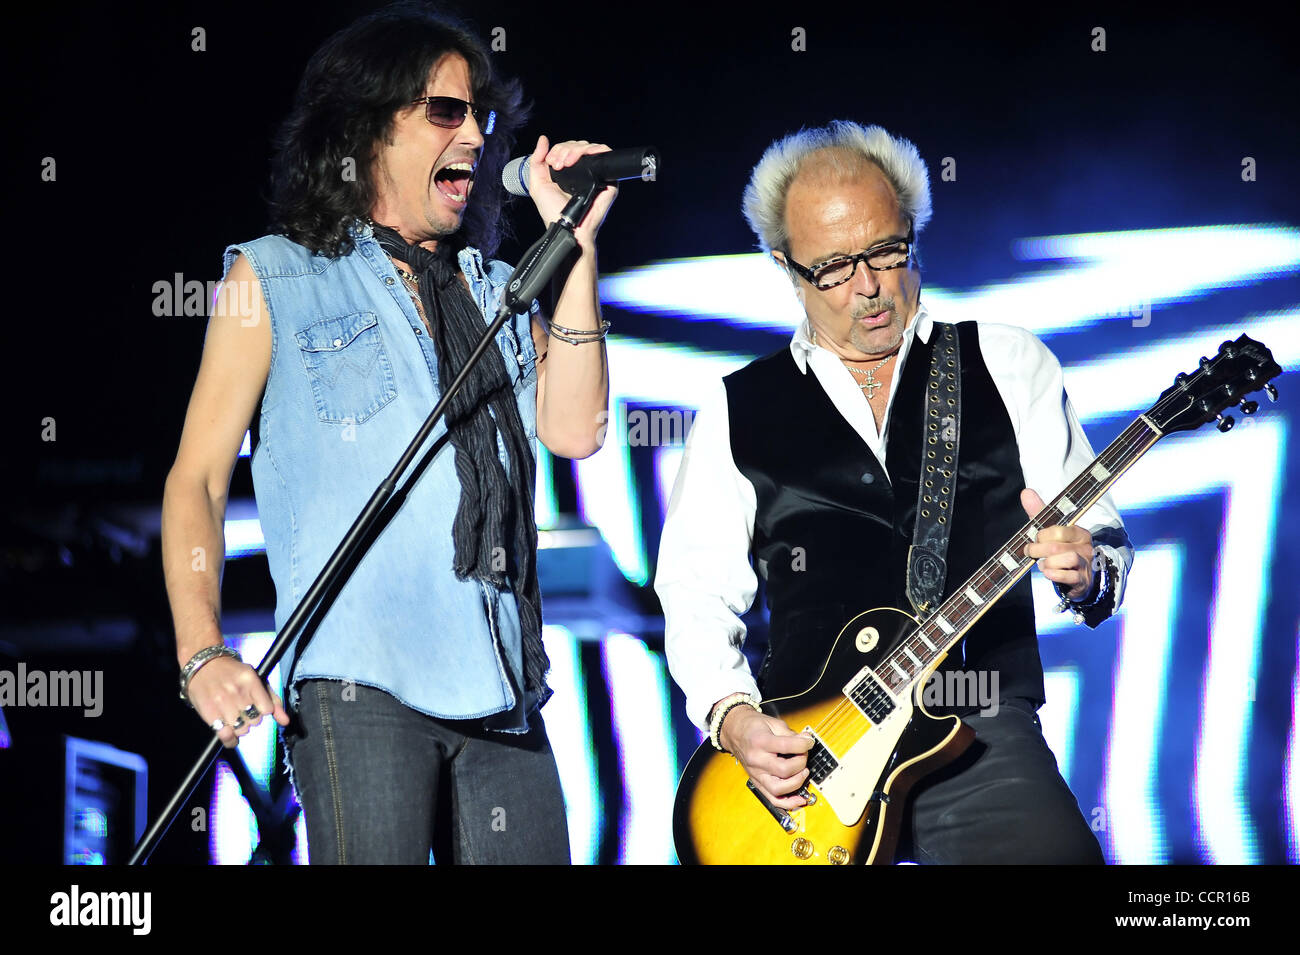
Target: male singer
(336,337)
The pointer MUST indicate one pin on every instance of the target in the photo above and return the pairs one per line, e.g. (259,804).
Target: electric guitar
(873,738)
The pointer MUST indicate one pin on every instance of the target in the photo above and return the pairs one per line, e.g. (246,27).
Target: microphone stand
(536,269)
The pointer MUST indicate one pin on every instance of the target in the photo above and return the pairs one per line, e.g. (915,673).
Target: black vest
(832,530)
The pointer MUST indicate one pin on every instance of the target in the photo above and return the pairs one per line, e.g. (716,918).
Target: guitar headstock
(1240,367)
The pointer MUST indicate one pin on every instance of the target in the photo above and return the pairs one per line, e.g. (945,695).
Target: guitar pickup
(821,762)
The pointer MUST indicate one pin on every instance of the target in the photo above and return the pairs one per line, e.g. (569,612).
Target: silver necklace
(869,384)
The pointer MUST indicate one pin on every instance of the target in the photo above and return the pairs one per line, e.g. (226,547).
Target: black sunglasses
(449,112)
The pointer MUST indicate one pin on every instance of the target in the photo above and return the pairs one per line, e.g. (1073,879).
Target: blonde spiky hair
(897,159)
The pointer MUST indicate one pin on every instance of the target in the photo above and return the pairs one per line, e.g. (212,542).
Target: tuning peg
(1270,391)
(1248,406)
(1225,423)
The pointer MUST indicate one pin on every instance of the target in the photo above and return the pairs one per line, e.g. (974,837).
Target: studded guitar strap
(927,566)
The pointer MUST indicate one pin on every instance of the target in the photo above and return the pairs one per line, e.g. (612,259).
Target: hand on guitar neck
(1064,554)
(774,756)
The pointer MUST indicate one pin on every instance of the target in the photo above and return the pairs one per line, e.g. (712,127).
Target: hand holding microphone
(553,173)
(601,162)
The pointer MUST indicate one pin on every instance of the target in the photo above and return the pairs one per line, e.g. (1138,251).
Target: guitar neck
(943,628)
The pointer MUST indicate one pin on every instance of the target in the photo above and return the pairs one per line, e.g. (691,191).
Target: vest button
(338,342)
(868,478)
(388,280)
(417,331)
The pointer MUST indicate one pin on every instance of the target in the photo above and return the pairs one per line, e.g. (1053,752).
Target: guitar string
(845,714)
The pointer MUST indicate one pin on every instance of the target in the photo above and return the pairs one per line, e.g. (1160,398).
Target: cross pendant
(870,385)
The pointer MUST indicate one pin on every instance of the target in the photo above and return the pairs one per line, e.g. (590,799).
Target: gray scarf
(494,512)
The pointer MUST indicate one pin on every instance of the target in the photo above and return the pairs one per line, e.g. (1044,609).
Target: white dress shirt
(704,578)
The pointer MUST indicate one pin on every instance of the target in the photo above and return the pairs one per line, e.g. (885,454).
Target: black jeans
(370,772)
(1003,801)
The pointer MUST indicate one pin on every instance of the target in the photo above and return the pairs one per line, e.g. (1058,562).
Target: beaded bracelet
(720,715)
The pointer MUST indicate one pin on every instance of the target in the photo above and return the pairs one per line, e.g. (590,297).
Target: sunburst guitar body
(860,769)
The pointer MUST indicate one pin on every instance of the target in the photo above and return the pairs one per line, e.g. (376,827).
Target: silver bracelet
(588,334)
(195,662)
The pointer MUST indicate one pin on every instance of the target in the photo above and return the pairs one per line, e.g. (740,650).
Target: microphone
(640,162)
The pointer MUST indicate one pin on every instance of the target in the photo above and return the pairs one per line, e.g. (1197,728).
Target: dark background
(162,159)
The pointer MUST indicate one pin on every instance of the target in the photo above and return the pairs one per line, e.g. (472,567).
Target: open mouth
(454,180)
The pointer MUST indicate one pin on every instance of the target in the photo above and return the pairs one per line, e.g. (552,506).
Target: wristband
(1103,585)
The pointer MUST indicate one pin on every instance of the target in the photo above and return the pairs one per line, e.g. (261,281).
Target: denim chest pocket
(349,370)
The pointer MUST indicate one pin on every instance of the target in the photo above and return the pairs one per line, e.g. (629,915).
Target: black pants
(1003,801)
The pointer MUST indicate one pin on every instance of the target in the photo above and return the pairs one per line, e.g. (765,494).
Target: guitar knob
(1249,407)
(1270,391)
(801,848)
(1225,423)
(838,855)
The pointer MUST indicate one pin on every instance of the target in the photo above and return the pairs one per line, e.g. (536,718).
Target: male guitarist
(812,459)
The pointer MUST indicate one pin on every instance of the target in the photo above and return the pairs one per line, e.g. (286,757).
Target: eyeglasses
(449,112)
(837,271)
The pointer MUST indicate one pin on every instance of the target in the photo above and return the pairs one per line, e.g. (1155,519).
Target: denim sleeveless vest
(353,375)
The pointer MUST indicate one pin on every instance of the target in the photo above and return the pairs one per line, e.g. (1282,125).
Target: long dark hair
(346,103)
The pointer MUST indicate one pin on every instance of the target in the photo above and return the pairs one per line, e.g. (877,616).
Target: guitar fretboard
(946,625)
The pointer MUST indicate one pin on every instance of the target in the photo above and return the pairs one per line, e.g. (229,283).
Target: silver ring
(239,721)
(252,712)
(217,725)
